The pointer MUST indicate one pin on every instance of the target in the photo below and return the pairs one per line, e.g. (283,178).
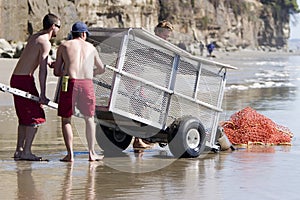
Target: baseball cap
(80,27)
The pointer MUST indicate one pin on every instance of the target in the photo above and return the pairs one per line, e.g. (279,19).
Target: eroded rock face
(230,24)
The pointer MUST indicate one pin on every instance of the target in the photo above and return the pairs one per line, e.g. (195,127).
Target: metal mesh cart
(154,90)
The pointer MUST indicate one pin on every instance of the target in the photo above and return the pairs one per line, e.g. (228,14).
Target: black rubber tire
(188,139)
(111,140)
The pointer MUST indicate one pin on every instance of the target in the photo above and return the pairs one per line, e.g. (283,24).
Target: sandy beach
(258,172)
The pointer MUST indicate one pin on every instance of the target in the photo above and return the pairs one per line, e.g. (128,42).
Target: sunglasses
(58,26)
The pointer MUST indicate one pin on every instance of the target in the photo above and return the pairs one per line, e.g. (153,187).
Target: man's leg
(90,131)
(30,132)
(68,138)
(20,141)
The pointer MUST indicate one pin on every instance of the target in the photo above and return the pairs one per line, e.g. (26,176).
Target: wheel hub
(119,136)
(193,138)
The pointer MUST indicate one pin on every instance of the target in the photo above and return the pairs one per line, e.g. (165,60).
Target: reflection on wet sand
(215,176)
(67,186)
(87,182)
(182,179)
(91,180)
(25,181)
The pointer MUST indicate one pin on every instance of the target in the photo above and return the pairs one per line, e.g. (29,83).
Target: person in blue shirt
(210,48)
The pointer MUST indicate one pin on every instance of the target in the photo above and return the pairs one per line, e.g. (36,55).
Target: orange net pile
(248,126)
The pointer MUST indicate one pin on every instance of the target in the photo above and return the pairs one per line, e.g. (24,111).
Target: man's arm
(43,60)
(58,64)
(98,63)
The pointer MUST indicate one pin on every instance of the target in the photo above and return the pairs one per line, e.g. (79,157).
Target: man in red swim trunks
(31,114)
(76,59)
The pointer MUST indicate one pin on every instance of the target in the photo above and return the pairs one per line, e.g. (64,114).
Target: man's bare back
(30,58)
(79,58)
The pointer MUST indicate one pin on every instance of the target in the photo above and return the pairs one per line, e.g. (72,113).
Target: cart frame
(152,89)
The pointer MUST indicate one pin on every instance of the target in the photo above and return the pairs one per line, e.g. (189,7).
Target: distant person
(163,30)
(201,47)
(182,45)
(210,49)
(75,62)
(30,113)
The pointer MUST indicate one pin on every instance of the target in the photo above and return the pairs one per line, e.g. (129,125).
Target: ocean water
(269,83)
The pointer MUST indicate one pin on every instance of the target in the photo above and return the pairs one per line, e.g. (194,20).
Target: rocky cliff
(228,23)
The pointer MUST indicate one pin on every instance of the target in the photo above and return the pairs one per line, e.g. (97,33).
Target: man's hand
(44,100)
(51,64)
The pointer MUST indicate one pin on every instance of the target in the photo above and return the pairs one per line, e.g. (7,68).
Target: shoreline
(255,53)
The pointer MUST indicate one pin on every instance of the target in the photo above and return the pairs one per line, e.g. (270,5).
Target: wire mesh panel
(197,83)
(210,84)
(107,43)
(186,77)
(148,62)
(180,106)
(141,101)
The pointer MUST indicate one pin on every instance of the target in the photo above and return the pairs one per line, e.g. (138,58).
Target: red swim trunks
(81,94)
(30,113)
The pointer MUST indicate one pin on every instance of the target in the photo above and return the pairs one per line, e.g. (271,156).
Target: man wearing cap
(75,62)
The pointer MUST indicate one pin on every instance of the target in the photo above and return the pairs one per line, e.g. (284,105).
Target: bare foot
(17,154)
(67,158)
(95,157)
(139,144)
(30,157)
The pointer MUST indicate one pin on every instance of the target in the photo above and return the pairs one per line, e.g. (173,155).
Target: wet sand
(259,172)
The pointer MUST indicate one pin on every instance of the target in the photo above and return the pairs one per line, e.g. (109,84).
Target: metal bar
(121,72)
(15,91)
(199,102)
(219,104)
(116,78)
(163,89)
(135,117)
(172,84)
(197,81)
(181,52)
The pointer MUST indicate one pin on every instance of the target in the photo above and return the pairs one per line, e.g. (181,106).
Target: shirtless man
(76,59)
(30,113)
(163,30)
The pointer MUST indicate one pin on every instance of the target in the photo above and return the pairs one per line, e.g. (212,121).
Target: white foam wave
(270,84)
(272,73)
(237,87)
(270,63)
(257,85)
